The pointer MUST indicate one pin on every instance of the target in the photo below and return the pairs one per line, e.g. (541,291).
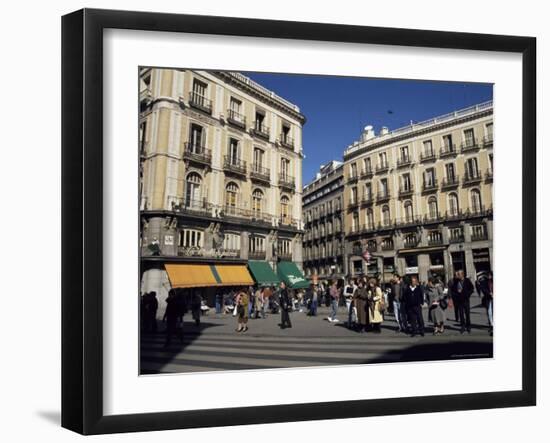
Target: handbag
(443,303)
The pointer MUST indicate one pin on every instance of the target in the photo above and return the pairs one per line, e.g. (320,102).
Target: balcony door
(193,191)
(472,170)
(233,152)
(196,139)
(231,193)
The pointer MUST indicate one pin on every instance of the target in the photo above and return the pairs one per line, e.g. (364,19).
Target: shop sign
(411,270)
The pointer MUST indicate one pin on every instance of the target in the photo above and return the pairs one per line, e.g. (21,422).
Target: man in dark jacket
(397,289)
(412,300)
(461,290)
(286,306)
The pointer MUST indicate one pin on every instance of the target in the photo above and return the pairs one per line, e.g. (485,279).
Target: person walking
(397,288)
(334,294)
(349,290)
(196,303)
(453,297)
(242,310)
(314,301)
(171,316)
(437,306)
(462,288)
(360,300)
(286,306)
(219,301)
(375,300)
(413,298)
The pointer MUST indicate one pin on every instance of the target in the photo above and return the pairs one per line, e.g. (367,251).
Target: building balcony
(456,215)
(261,131)
(407,222)
(372,246)
(404,161)
(256,255)
(471,177)
(405,191)
(236,119)
(428,156)
(145,96)
(433,218)
(435,240)
(352,204)
(489,175)
(366,174)
(488,141)
(469,145)
(200,102)
(260,174)
(286,141)
(430,186)
(253,216)
(411,241)
(450,182)
(200,207)
(353,178)
(197,154)
(479,236)
(288,222)
(367,200)
(456,239)
(234,165)
(382,196)
(480,211)
(382,168)
(387,245)
(447,151)
(286,181)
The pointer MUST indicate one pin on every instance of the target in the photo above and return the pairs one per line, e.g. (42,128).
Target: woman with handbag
(438,304)
(375,305)
(242,311)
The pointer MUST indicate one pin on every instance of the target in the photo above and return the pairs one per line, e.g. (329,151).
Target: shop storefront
(262,273)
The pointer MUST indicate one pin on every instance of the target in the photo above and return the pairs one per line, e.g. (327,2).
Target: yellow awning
(234,275)
(190,275)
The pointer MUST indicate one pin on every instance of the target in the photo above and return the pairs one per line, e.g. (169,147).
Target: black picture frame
(82,190)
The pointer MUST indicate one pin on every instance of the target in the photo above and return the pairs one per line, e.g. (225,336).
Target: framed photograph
(256,210)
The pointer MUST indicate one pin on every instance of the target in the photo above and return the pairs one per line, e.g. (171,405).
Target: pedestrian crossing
(214,351)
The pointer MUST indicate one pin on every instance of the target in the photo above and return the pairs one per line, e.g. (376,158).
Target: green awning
(291,275)
(262,273)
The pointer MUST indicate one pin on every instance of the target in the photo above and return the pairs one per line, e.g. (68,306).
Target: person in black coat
(412,299)
(171,316)
(461,290)
(286,306)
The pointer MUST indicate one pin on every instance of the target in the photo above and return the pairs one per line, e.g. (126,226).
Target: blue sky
(337,108)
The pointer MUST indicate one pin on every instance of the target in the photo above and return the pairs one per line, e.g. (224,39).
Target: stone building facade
(322,203)
(220,172)
(420,198)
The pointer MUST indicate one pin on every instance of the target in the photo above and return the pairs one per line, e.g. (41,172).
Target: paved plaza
(312,341)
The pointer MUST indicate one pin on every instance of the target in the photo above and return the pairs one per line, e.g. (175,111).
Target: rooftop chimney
(368,133)
(384,130)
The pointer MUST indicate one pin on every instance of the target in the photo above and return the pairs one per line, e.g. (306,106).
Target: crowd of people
(367,303)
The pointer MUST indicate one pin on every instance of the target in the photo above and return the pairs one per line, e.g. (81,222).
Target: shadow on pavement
(155,342)
(437,351)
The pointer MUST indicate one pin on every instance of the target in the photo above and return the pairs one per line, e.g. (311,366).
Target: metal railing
(448,150)
(405,191)
(404,161)
(197,153)
(382,196)
(235,165)
(382,167)
(427,156)
(471,177)
(286,141)
(366,173)
(200,102)
(236,119)
(429,186)
(261,130)
(469,145)
(287,181)
(260,173)
(450,182)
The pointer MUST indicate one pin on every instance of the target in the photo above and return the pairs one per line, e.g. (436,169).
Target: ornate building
(221,161)
(322,204)
(419,198)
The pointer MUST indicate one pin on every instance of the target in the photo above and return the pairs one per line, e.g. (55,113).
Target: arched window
(475,199)
(432,207)
(285,209)
(257,201)
(193,190)
(385,215)
(408,208)
(453,204)
(370,219)
(231,192)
